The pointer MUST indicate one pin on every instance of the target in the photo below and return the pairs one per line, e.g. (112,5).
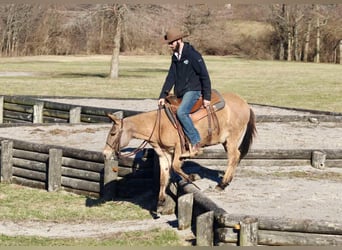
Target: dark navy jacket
(188,73)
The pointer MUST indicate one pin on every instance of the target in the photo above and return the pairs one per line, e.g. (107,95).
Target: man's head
(174,38)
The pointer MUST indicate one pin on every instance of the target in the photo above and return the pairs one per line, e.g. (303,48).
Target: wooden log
(57,106)
(15,121)
(56,114)
(285,224)
(205,229)
(82,164)
(29,174)
(1,109)
(21,100)
(94,119)
(248,235)
(54,169)
(75,115)
(29,165)
(18,108)
(28,183)
(28,155)
(318,159)
(111,169)
(276,238)
(185,204)
(27,117)
(78,184)
(81,174)
(6,170)
(227,235)
(333,163)
(38,112)
(54,120)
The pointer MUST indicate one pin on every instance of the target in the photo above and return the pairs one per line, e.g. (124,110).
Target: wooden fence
(84,172)
(214,226)
(22,109)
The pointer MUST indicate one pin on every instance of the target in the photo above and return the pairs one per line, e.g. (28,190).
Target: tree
(119,11)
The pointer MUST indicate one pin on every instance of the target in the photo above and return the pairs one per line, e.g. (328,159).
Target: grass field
(288,84)
(22,204)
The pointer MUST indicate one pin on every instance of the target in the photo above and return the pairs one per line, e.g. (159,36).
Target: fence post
(205,229)
(1,109)
(6,170)
(248,232)
(111,171)
(38,112)
(318,159)
(185,203)
(75,115)
(54,177)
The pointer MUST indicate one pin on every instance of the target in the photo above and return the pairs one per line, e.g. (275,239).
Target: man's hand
(206,103)
(161,102)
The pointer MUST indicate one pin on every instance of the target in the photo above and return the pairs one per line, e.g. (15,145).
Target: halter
(116,143)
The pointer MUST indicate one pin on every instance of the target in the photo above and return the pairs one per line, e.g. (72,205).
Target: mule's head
(117,137)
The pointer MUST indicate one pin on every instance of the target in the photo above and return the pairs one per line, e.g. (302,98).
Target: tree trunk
(318,38)
(307,42)
(114,69)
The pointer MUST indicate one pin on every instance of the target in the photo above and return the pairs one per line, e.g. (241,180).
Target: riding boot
(193,151)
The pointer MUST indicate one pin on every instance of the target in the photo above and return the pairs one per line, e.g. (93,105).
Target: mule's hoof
(220,187)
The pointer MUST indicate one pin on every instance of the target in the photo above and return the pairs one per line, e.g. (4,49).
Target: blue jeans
(183,111)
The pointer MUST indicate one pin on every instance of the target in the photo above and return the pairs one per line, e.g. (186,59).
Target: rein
(116,148)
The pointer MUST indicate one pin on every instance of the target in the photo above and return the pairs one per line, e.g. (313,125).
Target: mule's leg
(164,163)
(177,166)
(233,155)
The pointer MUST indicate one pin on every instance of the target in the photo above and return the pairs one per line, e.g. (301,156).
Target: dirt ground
(300,192)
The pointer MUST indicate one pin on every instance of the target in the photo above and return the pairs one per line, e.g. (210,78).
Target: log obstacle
(84,172)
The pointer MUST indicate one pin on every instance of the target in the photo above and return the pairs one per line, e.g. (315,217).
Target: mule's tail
(249,135)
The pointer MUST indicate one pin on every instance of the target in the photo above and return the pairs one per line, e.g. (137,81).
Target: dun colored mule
(236,132)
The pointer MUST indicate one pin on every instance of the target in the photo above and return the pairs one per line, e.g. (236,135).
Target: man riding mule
(236,122)
(189,77)
(233,118)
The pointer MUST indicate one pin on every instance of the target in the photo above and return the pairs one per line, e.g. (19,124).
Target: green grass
(22,203)
(18,203)
(289,84)
(153,238)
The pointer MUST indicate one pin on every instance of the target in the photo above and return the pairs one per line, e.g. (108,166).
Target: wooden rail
(80,171)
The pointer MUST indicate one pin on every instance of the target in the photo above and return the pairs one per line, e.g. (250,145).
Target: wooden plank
(29,174)
(18,115)
(18,108)
(94,119)
(53,120)
(227,235)
(28,155)
(285,224)
(248,235)
(54,169)
(82,164)
(28,183)
(80,184)
(15,121)
(20,100)
(6,161)
(56,113)
(205,229)
(185,204)
(276,238)
(29,165)
(81,174)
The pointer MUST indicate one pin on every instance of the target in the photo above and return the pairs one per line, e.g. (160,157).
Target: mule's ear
(116,117)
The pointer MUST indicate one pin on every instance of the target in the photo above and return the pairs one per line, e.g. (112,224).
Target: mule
(236,131)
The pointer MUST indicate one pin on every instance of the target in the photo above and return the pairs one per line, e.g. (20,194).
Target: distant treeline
(293,32)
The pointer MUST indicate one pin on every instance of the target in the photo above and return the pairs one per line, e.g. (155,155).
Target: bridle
(115,146)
